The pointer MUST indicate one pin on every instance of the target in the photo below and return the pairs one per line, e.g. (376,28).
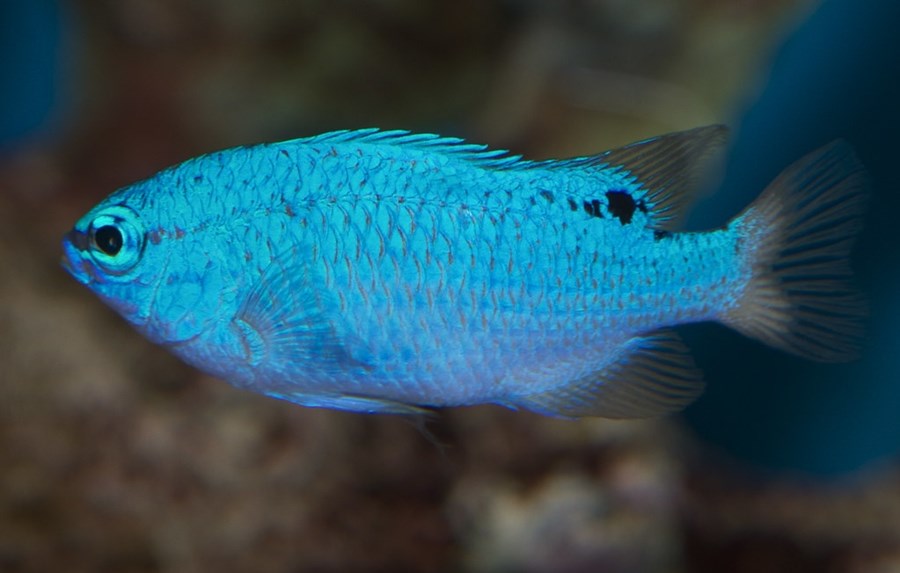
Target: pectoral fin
(290,323)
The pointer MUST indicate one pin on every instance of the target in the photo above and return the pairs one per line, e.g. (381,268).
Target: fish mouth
(75,243)
(77,239)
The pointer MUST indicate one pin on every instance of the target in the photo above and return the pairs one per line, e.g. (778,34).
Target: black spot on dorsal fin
(669,168)
(622,205)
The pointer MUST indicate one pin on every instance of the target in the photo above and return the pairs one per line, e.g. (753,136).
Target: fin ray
(669,167)
(288,322)
(655,375)
(351,403)
(799,234)
(453,146)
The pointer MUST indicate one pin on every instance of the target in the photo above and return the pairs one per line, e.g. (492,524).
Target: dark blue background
(837,76)
(30,52)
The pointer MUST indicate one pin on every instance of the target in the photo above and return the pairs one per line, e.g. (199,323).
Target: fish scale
(431,265)
(389,272)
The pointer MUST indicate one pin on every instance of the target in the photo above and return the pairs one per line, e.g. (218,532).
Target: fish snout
(75,245)
(77,239)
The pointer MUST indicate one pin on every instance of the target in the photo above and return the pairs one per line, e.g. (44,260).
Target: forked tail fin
(798,235)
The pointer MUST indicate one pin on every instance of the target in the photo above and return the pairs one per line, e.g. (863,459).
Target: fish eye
(108,239)
(116,239)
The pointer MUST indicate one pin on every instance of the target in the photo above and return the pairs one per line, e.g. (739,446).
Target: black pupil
(108,239)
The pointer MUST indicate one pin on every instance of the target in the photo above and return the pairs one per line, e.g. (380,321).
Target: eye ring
(116,239)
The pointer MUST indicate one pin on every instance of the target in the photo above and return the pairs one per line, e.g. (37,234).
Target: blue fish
(385,271)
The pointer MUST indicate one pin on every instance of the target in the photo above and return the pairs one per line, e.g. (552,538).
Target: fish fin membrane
(352,403)
(670,167)
(288,325)
(655,375)
(426,142)
(798,236)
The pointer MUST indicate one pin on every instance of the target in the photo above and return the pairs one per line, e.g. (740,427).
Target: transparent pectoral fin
(289,324)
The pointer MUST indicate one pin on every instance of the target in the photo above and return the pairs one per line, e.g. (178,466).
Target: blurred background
(116,457)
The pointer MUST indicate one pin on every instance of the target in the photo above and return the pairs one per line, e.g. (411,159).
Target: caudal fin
(798,235)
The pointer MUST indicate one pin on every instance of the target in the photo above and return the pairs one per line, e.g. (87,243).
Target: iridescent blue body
(385,271)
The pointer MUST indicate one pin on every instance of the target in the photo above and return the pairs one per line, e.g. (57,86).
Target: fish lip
(72,260)
(64,263)
(77,239)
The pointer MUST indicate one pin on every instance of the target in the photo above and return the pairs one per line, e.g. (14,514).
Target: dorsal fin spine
(452,146)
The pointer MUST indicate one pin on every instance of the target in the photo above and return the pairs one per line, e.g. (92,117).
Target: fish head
(120,253)
(104,251)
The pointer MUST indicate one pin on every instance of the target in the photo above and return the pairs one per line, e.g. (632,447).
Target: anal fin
(655,375)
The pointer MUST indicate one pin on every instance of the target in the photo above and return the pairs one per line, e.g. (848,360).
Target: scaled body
(383,271)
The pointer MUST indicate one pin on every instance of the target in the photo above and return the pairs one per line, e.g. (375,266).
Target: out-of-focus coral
(614,509)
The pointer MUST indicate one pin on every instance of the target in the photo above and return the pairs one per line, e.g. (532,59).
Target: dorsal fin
(457,147)
(667,167)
